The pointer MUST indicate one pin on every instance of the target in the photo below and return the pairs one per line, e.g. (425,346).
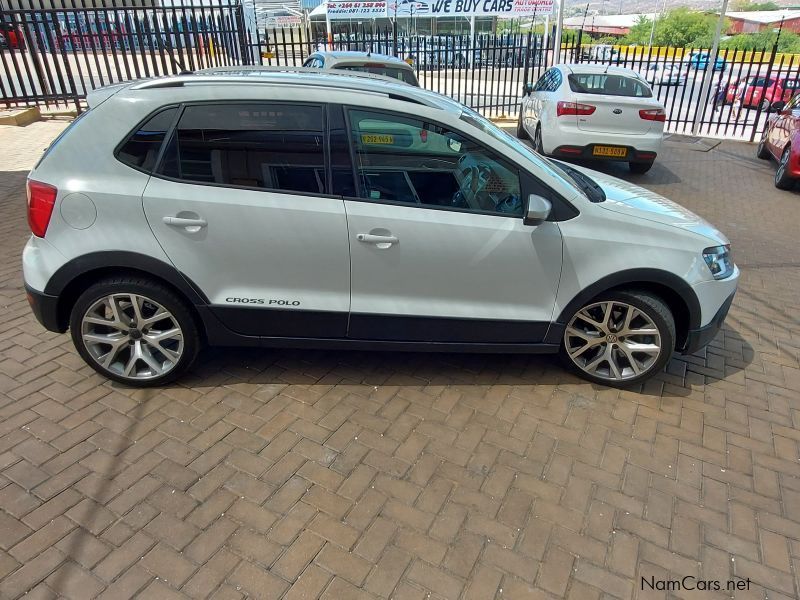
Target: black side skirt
(233,326)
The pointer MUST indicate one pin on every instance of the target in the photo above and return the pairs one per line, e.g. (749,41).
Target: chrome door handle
(369,238)
(184,222)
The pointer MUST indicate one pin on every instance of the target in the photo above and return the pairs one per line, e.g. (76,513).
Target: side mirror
(527,89)
(777,106)
(537,210)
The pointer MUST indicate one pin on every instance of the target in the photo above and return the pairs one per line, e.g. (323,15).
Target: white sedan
(593,112)
(665,74)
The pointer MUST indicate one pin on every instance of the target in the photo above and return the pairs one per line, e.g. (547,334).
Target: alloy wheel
(132,336)
(613,340)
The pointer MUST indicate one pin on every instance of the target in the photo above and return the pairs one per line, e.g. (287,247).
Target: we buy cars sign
(487,8)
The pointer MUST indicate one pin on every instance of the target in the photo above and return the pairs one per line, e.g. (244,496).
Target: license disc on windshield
(612,151)
(377,139)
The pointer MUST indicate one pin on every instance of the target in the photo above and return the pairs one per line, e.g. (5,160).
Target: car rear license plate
(611,151)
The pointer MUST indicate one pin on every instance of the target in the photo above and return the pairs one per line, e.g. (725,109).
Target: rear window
(404,75)
(760,81)
(792,84)
(141,149)
(608,84)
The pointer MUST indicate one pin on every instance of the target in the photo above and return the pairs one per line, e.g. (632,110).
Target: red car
(781,141)
(758,91)
(11,37)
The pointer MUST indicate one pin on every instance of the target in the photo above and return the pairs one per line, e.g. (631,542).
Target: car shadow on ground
(232,366)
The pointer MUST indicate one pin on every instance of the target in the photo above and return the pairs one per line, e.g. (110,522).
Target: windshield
(399,73)
(486,126)
(608,84)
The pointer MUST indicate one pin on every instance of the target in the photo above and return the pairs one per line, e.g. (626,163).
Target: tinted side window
(259,145)
(141,148)
(403,159)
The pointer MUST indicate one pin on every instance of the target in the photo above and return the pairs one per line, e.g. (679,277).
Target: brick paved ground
(352,475)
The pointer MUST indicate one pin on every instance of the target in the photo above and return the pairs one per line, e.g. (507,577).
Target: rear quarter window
(140,150)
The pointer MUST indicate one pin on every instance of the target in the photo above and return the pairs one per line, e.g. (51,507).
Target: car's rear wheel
(783,180)
(521,133)
(537,140)
(761,150)
(134,331)
(620,338)
(640,167)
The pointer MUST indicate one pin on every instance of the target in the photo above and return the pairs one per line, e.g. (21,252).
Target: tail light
(41,200)
(655,114)
(574,108)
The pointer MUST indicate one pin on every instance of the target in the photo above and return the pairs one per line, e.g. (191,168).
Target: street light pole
(559,28)
(709,72)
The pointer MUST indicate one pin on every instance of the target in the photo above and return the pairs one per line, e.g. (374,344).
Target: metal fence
(54,56)
(486,73)
(489,73)
(744,88)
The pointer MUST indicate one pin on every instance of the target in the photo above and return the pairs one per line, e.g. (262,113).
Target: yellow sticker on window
(372,138)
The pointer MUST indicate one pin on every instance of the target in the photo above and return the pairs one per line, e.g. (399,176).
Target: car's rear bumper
(45,309)
(587,153)
(566,137)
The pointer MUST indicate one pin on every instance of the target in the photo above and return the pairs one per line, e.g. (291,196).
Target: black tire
(153,294)
(656,310)
(783,181)
(640,168)
(537,140)
(761,149)
(521,133)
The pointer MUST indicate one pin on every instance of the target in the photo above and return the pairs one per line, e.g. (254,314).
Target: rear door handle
(369,238)
(189,224)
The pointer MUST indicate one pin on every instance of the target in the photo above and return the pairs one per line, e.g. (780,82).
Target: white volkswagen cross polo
(314,209)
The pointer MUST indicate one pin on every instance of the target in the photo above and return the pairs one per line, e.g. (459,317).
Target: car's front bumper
(699,338)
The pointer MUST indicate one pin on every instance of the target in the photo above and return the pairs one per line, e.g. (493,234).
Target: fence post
(766,81)
(525,72)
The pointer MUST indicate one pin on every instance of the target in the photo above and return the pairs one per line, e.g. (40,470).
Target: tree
(679,27)
(763,40)
(747,6)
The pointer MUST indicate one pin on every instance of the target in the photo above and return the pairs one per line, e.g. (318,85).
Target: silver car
(363,62)
(315,209)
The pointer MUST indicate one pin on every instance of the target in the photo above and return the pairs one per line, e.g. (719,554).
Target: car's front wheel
(134,331)
(620,338)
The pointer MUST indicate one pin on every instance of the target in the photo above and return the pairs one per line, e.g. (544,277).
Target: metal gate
(53,56)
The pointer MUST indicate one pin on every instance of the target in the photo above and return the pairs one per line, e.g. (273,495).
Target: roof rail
(351,80)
